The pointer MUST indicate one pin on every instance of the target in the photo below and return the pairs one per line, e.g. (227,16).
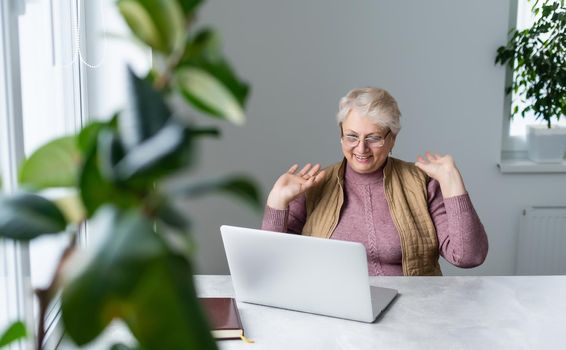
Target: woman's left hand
(443,169)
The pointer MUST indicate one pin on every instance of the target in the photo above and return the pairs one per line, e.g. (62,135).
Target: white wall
(436,58)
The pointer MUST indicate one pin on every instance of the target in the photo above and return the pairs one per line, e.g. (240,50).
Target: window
(44,93)
(517,126)
(51,100)
(52,104)
(5,282)
(514,145)
(13,304)
(42,100)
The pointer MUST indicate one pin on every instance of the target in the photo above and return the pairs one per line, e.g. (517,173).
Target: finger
(431,157)
(424,166)
(314,170)
(424,162)
(309,183)
(293,168)
(319,176)
(312,180)
(305,169)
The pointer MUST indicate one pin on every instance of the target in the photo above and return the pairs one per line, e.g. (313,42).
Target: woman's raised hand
(443,169)
(292,183)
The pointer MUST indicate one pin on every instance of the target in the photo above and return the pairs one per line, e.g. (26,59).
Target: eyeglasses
(372,141)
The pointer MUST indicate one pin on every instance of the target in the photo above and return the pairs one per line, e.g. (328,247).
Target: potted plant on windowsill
(140,272)
(537,56)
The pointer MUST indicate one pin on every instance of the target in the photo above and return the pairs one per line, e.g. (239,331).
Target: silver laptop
(315,275)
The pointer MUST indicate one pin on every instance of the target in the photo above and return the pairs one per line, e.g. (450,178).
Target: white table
(515,312)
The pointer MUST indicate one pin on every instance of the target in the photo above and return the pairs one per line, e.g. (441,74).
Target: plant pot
(546,145)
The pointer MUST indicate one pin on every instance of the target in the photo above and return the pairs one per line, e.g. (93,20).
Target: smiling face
(365,158)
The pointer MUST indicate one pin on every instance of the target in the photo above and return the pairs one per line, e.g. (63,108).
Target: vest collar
(340,174)
(353,177)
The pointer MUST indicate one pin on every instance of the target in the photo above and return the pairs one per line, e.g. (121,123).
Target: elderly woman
(405,214)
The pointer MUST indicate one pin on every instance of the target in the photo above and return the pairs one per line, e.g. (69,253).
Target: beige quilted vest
(406,194)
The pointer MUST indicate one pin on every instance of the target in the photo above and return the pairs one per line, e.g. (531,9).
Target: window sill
(517,162)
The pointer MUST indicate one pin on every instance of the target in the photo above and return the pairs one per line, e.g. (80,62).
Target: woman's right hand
(292,183)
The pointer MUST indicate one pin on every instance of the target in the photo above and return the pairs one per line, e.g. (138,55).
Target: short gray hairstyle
(374,103)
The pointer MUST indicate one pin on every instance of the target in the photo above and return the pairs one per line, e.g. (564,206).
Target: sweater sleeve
(290,220)
(461,236)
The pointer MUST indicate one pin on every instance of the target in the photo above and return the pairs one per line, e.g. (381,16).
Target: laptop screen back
(309,274)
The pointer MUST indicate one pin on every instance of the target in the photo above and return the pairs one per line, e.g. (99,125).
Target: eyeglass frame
(365,140)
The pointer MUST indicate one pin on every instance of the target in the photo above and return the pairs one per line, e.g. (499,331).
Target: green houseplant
(115,173)
(537,56)
(15,331)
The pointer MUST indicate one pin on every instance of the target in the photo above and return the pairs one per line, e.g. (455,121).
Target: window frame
(16,255)
(511,143)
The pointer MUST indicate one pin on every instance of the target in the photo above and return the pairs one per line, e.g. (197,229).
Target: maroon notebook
(224,317)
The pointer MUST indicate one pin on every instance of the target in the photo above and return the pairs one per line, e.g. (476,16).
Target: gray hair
(374,103)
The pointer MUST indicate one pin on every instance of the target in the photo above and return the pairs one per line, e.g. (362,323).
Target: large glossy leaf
(171,149)
(158,154)
(189,6)
(221,70)
(240,187)
(71,206)
(204,131)
(207,93)
(135,277)
(146,114)
(167,213)
(141,23)
(205,44)
(110,151)
(203,51)
(52,165)
(24,216)
(17,330)
(174,227)
(121,346)
(88,137)
(158,23)
(96,190)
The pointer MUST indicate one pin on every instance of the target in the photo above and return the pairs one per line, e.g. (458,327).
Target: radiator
(541,247)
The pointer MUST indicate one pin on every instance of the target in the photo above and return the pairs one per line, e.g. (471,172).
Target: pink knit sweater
(365,218)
